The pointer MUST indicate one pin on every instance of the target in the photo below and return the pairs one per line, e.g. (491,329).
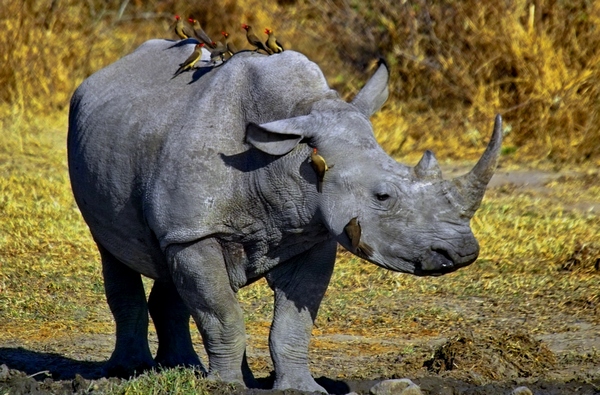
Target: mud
(464,364)
(493,362)
(19,383)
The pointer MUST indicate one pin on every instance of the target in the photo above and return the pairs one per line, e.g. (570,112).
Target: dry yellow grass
(449,76)
(453,64)
(50,278)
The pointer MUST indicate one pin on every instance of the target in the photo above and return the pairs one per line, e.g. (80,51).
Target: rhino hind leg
(200,276)
(172,322)
(299,287)
(127,301)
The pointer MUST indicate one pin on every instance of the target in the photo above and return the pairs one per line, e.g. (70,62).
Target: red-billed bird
(219,49)
(181,30)
(230,47)
(200,33)
(272,42)
(254,40)
(191,61)
(320,167)
(353,231)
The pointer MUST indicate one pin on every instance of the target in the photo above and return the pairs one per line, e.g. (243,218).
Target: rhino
(203,183)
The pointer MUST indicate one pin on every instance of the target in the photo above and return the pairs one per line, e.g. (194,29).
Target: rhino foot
(126,367)
(171,361)
(303,383)
(227,377)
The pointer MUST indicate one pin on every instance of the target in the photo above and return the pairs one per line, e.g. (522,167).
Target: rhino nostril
(446,259)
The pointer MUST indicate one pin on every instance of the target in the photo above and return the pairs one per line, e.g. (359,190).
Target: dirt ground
(504,355)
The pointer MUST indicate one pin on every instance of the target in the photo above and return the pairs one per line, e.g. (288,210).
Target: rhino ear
(372,96)
(277,137)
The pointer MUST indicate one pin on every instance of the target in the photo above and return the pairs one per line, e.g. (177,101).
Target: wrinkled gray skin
(203,183)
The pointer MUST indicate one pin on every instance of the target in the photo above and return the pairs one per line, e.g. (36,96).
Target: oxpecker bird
(200,33)
(191,61)
(353,231)
(181,30)
(228,44)
(272,42)
(320,167)
(253,40)
(219,49)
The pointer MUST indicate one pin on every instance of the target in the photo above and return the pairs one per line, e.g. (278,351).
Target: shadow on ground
(43,373)
(36,366)
(41,365)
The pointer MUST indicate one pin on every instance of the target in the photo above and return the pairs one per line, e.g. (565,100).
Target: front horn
(472,185)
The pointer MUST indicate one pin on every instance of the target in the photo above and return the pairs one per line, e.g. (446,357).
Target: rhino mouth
(436,260)
(439,261)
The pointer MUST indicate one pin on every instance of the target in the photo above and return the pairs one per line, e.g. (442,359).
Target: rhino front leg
(172,322)
(200,276)
(299,287)
(127,301)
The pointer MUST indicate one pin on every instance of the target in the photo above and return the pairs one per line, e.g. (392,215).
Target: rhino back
(148,153)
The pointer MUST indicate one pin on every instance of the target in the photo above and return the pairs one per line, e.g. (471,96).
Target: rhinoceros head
(410,219)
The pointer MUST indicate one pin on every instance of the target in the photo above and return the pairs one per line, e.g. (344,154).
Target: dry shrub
(585,258)
(502,356)
(48,48)
(454,64)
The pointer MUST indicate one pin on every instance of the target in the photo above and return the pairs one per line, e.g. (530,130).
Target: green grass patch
(168,381)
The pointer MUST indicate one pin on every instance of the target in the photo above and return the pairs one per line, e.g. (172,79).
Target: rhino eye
(382,197)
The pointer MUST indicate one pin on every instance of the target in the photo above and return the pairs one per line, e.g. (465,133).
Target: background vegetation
(454,65)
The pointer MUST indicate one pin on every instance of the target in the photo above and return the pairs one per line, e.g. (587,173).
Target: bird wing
(191,59)
(219,50)
(189,62)
(353,232)
(187,31)
(364,250)
(231,48)
(279,44)
(255,41)
(203,37)
(270,43)
(180,30)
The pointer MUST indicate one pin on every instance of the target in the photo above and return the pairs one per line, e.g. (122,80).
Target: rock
(4,372)
(80,384)
(447,391)
(395,387)
(412,390)
(388,387)
(521,391)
